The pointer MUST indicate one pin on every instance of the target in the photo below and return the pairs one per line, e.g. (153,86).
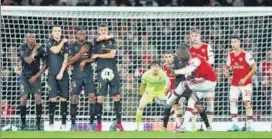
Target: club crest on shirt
(73,84)
(110,42)
(22,88)
(240,59)
(203,50)
(103,46)
(76,48)
(49,88)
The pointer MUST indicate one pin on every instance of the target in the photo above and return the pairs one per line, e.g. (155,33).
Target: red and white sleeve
(193,64)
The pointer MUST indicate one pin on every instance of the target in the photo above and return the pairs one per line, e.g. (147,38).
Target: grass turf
(35,134)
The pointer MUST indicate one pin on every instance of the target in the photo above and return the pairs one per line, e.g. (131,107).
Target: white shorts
(200,85)
(245,90)
(193,99)
(210,94)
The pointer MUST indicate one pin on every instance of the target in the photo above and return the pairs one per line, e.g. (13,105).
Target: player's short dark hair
(103,25)
(168,52)
(80,28)
(235,37)
(154,62)
(30,31)
(182,48)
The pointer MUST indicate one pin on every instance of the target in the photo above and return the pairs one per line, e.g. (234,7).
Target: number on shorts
(98,87)
(247,92)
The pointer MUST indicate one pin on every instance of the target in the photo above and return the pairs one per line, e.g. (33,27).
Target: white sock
(178,114)
(249,114)
(210,108)
(187,116)
(234,111)
(194,116)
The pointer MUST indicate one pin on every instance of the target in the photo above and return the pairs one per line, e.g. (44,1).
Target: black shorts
(108,82)
(58,87)
(184,94)
(177,100)
(27,88)
(78,84)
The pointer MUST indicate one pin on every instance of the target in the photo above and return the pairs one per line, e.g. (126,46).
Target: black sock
(38,112)
(118,111)
(23,113)
(204,117)
(73,113)
(99,108)
(63,111)
(166,116)
(52,107)
(92,112)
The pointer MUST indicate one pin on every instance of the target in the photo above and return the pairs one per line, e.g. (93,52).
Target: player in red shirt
(200,48)
(205,51)
(167,67)
(243,67)
(204,81)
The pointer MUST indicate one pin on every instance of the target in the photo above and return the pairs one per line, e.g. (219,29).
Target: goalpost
(143,34)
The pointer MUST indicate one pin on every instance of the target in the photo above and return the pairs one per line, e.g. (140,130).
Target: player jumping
(154,85)
(205,51)
(204,82)
(31,54)
(243,67)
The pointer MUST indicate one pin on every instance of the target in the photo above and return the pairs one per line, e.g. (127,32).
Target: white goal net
(143,35)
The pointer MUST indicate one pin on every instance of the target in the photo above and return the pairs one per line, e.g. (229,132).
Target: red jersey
(240,65)
(205,51)
(171,78)
(200,67)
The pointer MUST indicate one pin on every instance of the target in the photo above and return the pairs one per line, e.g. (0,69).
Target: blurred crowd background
(138,2)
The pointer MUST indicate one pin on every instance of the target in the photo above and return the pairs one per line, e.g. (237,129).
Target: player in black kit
(31,55)
(79,51)
(177,64)
(107,75)
(58,78)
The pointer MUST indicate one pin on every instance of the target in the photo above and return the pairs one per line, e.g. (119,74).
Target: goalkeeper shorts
(148,96)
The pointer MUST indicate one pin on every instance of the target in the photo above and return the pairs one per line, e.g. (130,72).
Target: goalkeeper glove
(161,102)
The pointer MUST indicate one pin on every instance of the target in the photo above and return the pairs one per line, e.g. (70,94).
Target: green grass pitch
(128,134)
